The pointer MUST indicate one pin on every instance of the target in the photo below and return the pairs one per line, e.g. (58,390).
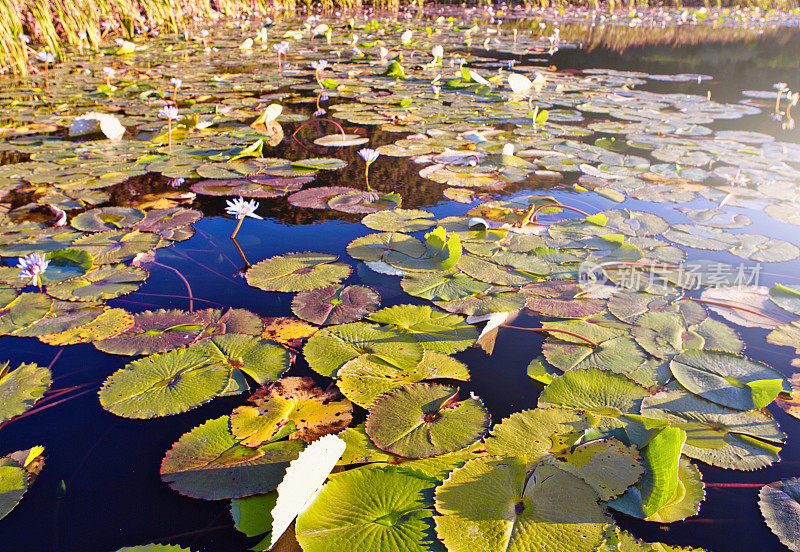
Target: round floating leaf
(363,202)
(716,336)
(107,218)
(790,402)
(297,272)
(327,350)
(21,389)
(312,412)
(434,329)
(747,306)
(335,304)
(702,237)
(536,433)
(660,333)
(684,502)
(363,380)
(116,246)
(718,435)
(607,465)
(622,541)
(422,420)
(164,384)
(22,311)
(110,323)
(605,393)
(208,462)
(442,286)
(155,332)
(18,470)
(303,480)
(527,268)
(102,283)
(341,140)
(560,300)
(13,484)
(727,379)
(287,330)
(261,359)
(619,354)
(317,198)
(399,220)
(320,163)
(763,249)
(545,511)
(780,505)
(786,297)
(373,247)
(66,264)
(386,506)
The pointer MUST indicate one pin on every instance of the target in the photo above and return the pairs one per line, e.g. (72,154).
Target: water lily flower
(109,71)
(169,112)
(369,155)
(319,112)
(32,267)
(46,57)
(405,38)
(24,38)
(319,65)
(241,209)
(438,53)
(175,82)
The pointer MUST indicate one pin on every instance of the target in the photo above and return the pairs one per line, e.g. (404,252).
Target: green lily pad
(618,354)
(374,247)
(21,389)
(718,435)
(560,300)
(534,512)
(297,272)
(728,379)
(107,218)
(423,420)
(660,333)
(102,283)
(442,286)
(164,384)
(364,380)
(328,349)
(116,246)
(399,220)
(596,390)
(386,506)
(18,470)
(208,462)
(435,330)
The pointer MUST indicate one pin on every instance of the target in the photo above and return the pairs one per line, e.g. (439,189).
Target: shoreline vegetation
(41,28)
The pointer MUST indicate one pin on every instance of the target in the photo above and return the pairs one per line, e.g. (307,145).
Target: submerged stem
(185,281)
(734,307)
(236,230)
(556,330)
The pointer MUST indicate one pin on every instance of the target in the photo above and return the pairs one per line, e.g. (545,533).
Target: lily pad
(423,420)
(208,462)
(296,402)
(387,505)
(297,272)
(21,388)
(534,512)
(435,330)
(155,332)
(780,505)
(728,379)
(335,304)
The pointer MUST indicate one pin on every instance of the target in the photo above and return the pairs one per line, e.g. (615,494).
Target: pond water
(715,148)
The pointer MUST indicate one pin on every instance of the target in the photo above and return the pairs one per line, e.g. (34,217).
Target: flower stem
(169,135)
(236,230)
(366,177)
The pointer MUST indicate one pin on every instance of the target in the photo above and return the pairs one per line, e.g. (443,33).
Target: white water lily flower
(32,266)
(91,122)
(46,57)
(176,82)
(240,208)
(508,149)
(437,51)
(168,112)
(405,38)
(369,155)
